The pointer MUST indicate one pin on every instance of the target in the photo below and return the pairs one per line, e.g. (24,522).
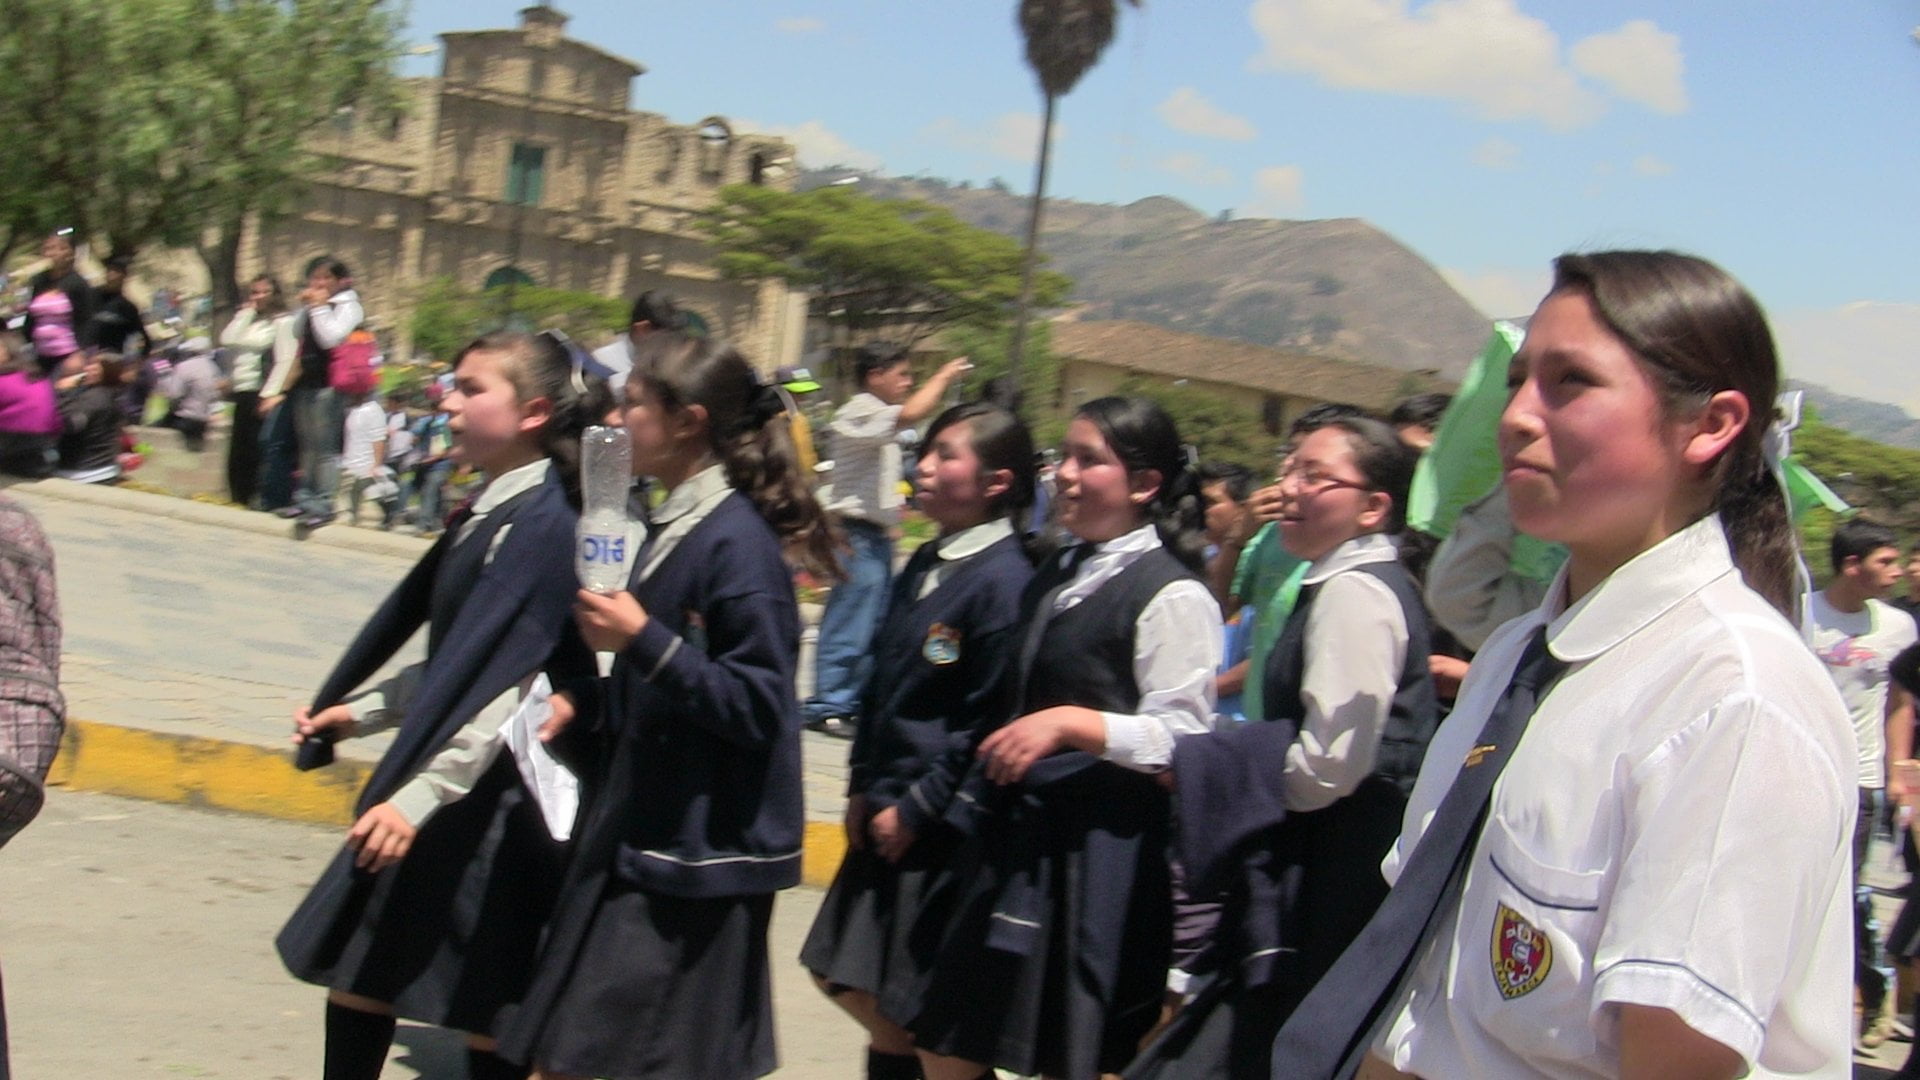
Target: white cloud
(1638,62)
(1501,294)
(1277,192)
(1488,55)
(1863,348)
(817,146)
(1648,165)
(1015,135)
(1196,168)
(804,24)
(1187,111)
(1496,153)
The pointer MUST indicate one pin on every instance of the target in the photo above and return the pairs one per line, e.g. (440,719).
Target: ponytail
(1179,515)
(748,430)
(1753,510)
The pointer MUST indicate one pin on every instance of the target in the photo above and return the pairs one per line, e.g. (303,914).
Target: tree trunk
(1016,352)
(222,258)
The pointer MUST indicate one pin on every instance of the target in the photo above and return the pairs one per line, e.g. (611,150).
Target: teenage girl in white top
(1660,884)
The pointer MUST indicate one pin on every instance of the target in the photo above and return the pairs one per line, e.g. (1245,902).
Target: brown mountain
(1338,288)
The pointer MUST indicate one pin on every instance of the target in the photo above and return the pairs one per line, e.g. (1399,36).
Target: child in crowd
(30,422)
(1055,956)
(657,963)
(90,418)
(1628,851)
(363,455)
(433,909)
(193,392)
(941,679)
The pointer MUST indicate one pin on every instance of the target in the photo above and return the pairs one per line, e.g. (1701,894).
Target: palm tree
(1064,40)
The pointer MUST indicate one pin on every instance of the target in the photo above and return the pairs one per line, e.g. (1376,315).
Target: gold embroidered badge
(1522,954)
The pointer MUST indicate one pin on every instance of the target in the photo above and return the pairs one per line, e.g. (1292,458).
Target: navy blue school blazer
(703,797)
(943,676)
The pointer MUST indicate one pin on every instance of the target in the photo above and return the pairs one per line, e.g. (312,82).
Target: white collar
(1647,587)
(695,490)
(1359,551)
(1144,538)
(511,483)
(975,539)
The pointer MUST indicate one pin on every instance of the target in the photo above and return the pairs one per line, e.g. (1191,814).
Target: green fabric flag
(1272,619)
(1464,462)
(1806,491)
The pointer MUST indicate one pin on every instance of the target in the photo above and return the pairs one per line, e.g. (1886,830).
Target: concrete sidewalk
(192,632)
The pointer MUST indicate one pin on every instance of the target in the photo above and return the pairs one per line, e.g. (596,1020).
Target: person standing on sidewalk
(1856,634)
(332,312)
(249,339)
(33,713)
(866,497)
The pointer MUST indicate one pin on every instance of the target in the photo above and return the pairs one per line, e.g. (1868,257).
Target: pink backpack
(350,368)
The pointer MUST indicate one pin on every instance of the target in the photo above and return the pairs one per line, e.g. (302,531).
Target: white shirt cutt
(1175,655)
(249,337)
(1356,647)
(1471,586)
(1857,648)
(471,750)
(1673,830)
(366,426)
(866,461)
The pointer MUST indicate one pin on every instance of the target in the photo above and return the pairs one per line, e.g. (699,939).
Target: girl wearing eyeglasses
(1318,790)
(433,909)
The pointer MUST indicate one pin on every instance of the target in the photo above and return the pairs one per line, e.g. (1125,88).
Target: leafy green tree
(447,316)
(893,267)
(990,348)
(173,121)
(1217,427)
(1881,481)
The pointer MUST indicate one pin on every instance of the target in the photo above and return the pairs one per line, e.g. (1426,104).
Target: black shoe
(840,727)
(314,521)
(290,512)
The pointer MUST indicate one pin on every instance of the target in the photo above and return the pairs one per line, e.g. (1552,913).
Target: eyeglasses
(1310,480)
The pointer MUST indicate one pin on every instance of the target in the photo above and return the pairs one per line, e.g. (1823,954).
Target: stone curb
(218,774)
(337,535)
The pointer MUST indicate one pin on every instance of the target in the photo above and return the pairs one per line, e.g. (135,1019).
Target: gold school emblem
(1522,954)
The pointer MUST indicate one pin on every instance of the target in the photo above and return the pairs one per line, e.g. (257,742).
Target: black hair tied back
(766,404)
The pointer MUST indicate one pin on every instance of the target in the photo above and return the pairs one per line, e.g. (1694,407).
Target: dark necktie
(1329,1033)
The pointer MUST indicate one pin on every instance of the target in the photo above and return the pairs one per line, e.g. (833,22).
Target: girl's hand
(609,623)
(1448,673)
(1012,750)
(334,720)
(383,836)
(857,822)
(891,839)
(563,712)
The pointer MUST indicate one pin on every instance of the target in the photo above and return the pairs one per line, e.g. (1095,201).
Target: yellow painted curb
(211,773)
(247,779)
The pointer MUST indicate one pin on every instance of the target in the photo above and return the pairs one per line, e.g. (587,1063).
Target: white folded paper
(552,783)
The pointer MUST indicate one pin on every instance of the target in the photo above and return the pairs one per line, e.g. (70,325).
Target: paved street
(137,937)
(193,627)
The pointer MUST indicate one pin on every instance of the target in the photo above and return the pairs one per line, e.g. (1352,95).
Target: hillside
(1339,288)
(1874,420)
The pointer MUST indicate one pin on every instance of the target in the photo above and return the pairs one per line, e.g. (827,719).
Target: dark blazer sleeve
(990,703)
(741,687)
(398,617)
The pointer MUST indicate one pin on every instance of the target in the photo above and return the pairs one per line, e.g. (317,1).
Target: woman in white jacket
(260,343)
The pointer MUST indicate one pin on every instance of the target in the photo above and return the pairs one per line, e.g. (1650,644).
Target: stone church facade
(522,160)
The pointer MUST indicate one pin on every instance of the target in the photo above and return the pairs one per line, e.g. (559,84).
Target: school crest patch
(942,646)
(1522,954)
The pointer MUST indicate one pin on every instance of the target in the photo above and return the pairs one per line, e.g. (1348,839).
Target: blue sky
(1782,140)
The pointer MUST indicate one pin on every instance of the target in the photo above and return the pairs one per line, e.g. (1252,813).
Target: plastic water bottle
(606,474)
